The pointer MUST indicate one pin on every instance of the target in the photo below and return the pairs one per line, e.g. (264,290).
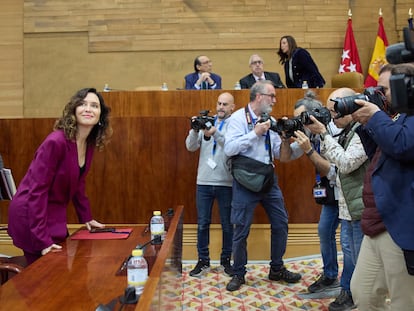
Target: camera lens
(346,105)
(288,126)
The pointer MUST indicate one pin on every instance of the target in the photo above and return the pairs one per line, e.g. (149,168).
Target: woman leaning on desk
(299,65)
(37,214)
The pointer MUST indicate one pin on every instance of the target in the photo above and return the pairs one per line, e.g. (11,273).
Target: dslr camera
(289,126)
(402,86)
(203,121)
(346,105)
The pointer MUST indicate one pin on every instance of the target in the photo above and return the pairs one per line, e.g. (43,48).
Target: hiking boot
(284,275)
(201,267)
(343,302)
(228,269)
(235,283)
(323,283)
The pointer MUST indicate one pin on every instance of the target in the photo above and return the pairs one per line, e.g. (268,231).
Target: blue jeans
(328,223)
(205,199)
(351,239)
(243,206)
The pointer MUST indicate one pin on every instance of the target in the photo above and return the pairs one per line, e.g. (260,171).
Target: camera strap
(250,125)
(219,129)
(317,146)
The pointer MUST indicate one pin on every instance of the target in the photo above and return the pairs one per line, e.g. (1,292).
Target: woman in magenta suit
(37,214)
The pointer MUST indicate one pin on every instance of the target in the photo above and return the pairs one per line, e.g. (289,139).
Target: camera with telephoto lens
(321,114)
(401,85)
(346,105)
(273,123)
(203,121)
(289,126)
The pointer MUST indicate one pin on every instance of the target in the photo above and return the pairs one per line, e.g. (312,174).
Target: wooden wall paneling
(146,165)
(178,25)
(402,9)
(11,59)
(253,26)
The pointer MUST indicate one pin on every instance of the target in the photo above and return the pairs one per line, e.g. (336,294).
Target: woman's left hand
(93,224)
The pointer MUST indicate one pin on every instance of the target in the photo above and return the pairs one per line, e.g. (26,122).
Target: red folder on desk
(119,233)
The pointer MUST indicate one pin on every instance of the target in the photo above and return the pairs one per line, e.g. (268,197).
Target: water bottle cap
(157,213)
(137,252)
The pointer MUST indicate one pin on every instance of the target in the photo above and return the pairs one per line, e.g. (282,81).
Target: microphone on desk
(108,307)
(156,240)
(130,296)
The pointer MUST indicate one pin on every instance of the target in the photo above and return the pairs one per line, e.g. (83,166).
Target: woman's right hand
(53,247)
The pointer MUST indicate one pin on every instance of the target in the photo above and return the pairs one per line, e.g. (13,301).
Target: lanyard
(317,147)
(219,128)
(250,123)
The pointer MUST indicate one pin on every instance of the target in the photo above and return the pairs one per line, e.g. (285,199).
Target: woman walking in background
(299,65)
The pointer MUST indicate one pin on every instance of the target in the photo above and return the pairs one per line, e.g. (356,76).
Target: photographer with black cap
(385,265)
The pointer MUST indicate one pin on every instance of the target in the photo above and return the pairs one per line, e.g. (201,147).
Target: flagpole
(380,12)
(410,13)
(350,14)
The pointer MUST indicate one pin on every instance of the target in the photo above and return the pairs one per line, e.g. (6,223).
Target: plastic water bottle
(106,88)
(164,87)
(237,86)
(157,227)
(305,85)
(137,271)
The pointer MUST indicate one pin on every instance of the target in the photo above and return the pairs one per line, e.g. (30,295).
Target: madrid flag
(378,57)
(350,58)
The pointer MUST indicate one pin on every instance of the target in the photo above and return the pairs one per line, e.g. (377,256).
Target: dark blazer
(248,81)
(393,177)
(304,69)
(192,78)
(37,213)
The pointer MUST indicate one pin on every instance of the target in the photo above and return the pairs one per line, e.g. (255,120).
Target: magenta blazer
(37,213)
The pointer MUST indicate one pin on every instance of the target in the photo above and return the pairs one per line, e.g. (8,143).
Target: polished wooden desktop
(86,274)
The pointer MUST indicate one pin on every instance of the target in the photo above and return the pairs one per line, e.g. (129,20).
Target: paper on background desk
(84,234)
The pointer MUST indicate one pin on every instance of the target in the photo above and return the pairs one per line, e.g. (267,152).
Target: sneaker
(323,283)
(201,267)
(343,302)
(228,269)
(235,283)
(284,275)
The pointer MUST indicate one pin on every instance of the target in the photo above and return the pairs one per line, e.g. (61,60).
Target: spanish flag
(378,56)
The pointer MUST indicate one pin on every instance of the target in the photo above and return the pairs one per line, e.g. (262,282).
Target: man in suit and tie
(256,64)
(202,78)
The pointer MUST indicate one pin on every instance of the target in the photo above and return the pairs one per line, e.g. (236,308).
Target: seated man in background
(202,78)
(256,66)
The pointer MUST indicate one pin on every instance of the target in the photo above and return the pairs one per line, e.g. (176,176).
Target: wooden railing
(146,165)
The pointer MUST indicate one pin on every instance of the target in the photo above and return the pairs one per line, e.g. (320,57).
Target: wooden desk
(83,274)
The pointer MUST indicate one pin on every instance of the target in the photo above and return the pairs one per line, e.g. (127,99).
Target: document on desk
(116,234)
